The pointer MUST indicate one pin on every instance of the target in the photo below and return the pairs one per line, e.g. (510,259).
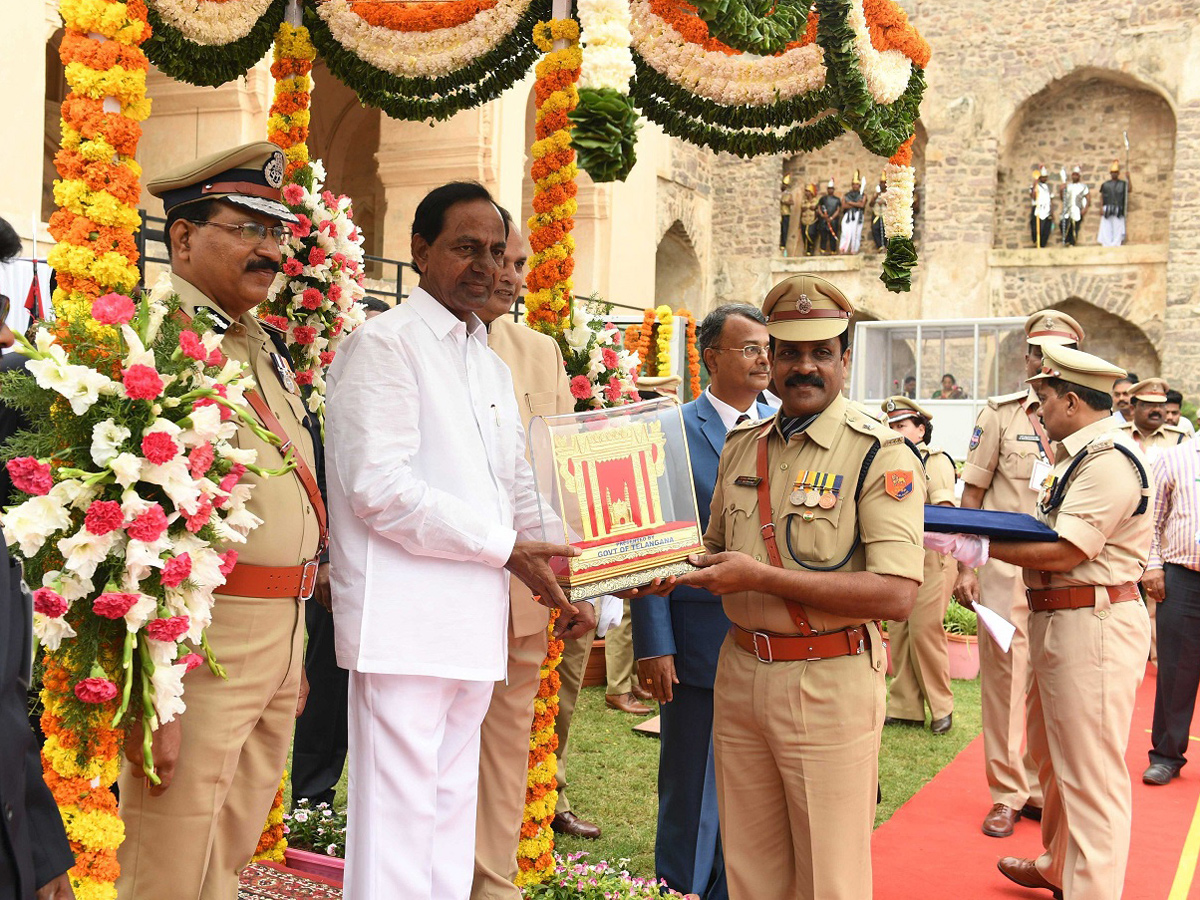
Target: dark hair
(710,329)
(1174,396)
(200,211)
(843,339)
(1100,401)
(430,217)
(10,244)
(953,380)
(922,420)
(509,221)
(1129,377)
(374,304)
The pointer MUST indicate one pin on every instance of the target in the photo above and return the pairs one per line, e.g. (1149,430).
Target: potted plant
(316,840)
(962,630)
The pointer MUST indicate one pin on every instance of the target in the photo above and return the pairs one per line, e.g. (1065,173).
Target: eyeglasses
(253,232)
(750,351)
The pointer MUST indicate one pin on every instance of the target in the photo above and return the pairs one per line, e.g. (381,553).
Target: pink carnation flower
(228,560)
(170,629)
(335,291)
(190,661)
(175,571)
(293,267)
(149,526)
(200,517)
(159,447)
(103,516)
(114,604)
(303,226)
(304,334)
(49,603)
(311,298)
(200,460)
(215,360)
(338,324)
(113,309)
(581,388)
(95,690)
(305,377)
(30,476)
(235,475)
(609,358)
(142,383)
(189,343)
(612,390)
(226,412)
(326,357)
(316,257)
(293,194)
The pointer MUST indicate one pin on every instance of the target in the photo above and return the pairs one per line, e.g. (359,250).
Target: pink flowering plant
(576,878)
(601,370)
(314,298)
(131,498)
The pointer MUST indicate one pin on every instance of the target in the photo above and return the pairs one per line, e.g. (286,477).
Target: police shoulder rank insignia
(975,436)
(898,483)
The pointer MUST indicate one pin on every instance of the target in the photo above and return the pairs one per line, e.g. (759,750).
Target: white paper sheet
(997,626)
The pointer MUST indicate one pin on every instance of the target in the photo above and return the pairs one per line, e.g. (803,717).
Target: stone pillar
(593,237)
(1181,352)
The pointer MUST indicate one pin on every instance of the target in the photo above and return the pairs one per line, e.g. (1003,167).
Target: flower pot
(964,655)
(329,867)
(595,672)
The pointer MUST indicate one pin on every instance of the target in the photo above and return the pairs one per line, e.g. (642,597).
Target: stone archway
(1079,120)
(677,274)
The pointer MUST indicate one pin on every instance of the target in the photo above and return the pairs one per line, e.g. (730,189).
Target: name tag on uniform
(747,481)
(1041,471)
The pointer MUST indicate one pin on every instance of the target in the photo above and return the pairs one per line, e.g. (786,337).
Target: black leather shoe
(569,823)
(1159,773)
(910,723)
(942,725)
(1029,811)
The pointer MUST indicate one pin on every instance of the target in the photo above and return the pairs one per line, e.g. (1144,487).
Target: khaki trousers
(618,655)
(191,842)
(570,674)
(920,650)
(797,759)
(1087,665)
(504,770)
(1152,609)
(1011,773)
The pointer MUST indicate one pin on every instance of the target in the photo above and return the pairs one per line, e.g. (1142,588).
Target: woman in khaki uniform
(919,650)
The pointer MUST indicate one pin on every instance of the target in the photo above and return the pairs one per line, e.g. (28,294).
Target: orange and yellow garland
(548,303)
(273,840)
(693,354)
(535,852)
(290,115)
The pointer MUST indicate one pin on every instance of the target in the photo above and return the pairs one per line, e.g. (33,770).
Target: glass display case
(619,482)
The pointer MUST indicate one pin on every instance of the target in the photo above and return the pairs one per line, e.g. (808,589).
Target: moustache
(805,381)
(268,265)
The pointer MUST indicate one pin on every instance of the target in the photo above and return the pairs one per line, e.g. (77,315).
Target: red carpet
(270,881)
(932,847)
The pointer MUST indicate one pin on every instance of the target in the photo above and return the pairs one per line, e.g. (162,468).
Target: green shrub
(960,620)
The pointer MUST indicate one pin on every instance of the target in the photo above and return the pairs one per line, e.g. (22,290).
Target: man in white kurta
(432,506)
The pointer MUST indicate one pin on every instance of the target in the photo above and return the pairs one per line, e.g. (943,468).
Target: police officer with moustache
(1008,459)
(1148,424)
(815,533)
(220,761)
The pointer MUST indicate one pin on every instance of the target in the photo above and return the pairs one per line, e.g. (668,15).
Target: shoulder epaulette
(1100,443)
(1126,426)
(872,428)
(1005,399)
(1175,429)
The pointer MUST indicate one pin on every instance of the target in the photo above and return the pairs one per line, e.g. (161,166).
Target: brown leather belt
(1078,597)
(768,647)
(272,581)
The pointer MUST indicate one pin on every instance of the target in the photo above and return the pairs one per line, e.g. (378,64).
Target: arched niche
(677,279)
(1080,120)
(56,92)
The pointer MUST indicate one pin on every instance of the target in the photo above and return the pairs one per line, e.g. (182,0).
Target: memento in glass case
(620,482)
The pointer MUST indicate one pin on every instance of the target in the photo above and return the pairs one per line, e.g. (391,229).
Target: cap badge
(1050,324)
(891,406)
(273,169)
(804,305)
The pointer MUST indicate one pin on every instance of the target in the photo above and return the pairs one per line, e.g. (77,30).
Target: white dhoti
(851,235)
(1112,231)
(414,773)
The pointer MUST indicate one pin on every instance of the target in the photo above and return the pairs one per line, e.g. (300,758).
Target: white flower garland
(604,34)
(212,23)
(741,80)
(887,73)
(421,54)
(898,201)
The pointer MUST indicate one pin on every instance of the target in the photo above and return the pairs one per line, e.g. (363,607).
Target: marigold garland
(665,331)
(548,304)
(273,840)
(649,360)
(693,354)
(535,851)
(289,118)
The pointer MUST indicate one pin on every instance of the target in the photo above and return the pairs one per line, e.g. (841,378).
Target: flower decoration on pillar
(548,303)
(693,353)
(290,116)
(273,841)
(605,121)
(662,340)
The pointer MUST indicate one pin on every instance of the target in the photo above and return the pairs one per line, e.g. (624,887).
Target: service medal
(797,497)
(812,498)
(828,500)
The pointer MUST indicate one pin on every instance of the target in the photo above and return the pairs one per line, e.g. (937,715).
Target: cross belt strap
(766,518)
(1079,596)
(768,647)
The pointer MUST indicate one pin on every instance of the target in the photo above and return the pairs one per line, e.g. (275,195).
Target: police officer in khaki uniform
(919,649)
(815,533)
(221,760)
(1088,631)
(1009,456)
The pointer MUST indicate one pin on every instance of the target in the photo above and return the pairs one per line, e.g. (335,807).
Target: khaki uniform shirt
(1003,452)
(289,534)
(1158,440)
(836,443)
(939,472)
(1096,514)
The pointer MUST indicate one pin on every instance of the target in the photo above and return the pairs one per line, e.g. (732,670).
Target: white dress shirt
(429,489)
(728,414)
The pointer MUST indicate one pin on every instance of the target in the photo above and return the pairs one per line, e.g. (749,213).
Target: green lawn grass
(614,773)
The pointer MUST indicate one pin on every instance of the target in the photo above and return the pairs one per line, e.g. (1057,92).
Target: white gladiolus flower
(69,585)
(206,425)
(107,437)
(167,682)
(32,522)
(127,468)
(83,551)
(141,612)
(51,631)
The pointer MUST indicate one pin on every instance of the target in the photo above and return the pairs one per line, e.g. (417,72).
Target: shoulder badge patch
(898,483)
(975,436)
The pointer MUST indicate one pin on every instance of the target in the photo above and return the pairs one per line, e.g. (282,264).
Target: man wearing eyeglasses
(676,638)
(221,761)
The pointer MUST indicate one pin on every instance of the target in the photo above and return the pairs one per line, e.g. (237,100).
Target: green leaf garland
(604,134)
(898,264)
(764,27)
(210,65)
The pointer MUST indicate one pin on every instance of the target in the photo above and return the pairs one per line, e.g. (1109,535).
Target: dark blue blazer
(690,623)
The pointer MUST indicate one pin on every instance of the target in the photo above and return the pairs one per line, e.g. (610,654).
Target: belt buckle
(770,657)
(308,579)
